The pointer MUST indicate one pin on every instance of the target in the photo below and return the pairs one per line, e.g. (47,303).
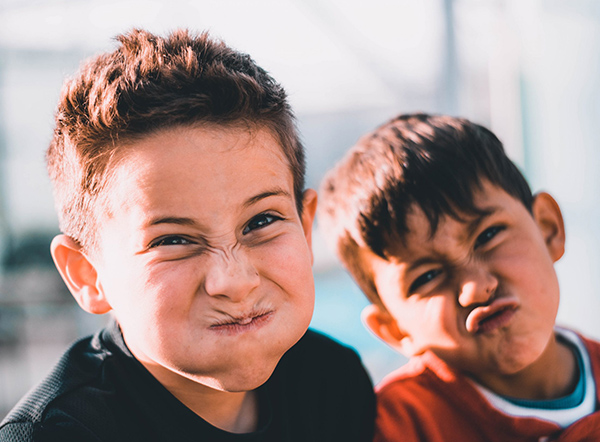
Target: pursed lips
(233,324)
(488,318)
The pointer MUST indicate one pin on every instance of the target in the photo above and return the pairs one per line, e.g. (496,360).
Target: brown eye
(172,240)
(260,221)
(424,279)
(487,235)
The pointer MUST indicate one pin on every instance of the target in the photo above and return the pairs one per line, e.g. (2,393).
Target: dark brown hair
(147,84)
(435,162)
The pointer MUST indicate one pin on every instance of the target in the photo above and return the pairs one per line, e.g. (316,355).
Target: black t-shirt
(99,392)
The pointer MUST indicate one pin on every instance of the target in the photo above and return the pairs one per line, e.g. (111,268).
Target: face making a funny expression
(481,292)
(202,256)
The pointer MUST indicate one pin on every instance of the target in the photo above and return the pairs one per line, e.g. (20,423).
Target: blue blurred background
(528,69)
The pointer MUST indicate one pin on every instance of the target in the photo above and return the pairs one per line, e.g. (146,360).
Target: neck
(236,412)
(551,376)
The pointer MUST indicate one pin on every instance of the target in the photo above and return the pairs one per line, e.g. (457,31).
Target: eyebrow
(485,212)
(261,196)
(185,221)
(472,227)
(182,221)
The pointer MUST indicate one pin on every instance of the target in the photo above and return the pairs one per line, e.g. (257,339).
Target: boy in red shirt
(442,233)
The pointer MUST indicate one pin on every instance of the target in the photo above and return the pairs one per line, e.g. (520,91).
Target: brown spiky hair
(147,84)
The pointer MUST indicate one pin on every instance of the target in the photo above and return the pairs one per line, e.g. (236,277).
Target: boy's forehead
(174,155)
(489,200)
(418,230)
(239,134)
(422,234)
(210,141)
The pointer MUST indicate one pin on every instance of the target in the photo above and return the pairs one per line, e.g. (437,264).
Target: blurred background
(528,69)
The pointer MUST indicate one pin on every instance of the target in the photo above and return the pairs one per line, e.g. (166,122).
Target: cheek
(286,260)
(526,255)
(530,276)
(441,315)
(174,287)
(147,295)
(156,309)
(531,271)
(541,292)
(433,322)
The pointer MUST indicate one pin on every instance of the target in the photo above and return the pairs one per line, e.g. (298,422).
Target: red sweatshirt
(426,401)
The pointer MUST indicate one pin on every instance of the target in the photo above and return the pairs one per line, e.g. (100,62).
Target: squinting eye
(260,221)
(424,279)
(487,235)
(173,240)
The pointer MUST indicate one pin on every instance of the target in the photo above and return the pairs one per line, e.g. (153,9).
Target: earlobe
(79,274)
(309,208)
(548,217)
(385,327)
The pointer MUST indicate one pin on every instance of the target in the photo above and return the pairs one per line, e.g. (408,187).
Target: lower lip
(496,321)
(237,329)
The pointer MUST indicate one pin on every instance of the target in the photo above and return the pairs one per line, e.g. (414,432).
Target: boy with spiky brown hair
(179,183)
(442,233)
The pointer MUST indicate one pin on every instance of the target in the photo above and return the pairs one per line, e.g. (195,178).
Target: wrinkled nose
(230,275)
(477,286)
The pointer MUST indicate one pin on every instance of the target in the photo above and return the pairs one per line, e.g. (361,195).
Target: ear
(309,208)
(550,222)
(79,274)
(379,321)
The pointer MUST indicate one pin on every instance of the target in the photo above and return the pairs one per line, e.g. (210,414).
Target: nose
(231,275)
(477,286)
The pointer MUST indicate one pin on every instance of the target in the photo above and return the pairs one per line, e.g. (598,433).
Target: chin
(244,380)
(518,363)
(248,374)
